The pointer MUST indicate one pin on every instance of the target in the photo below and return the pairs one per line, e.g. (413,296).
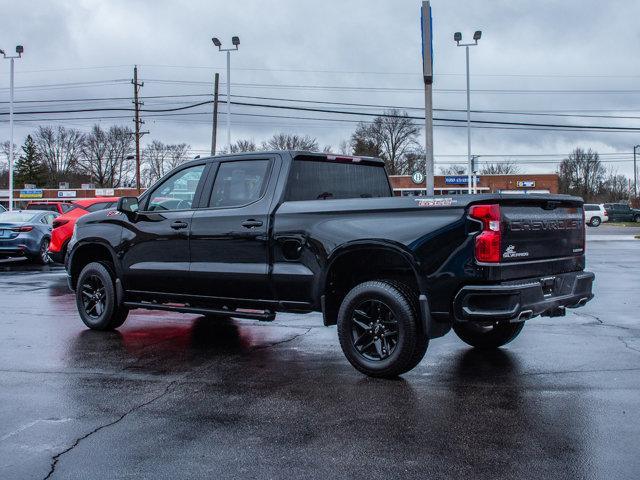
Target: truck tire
(595,222)
(493,336)
(96,298)
(379,330)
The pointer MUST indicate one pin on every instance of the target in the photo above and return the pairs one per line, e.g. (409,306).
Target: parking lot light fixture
(235,41)
(19,51)
(457,37)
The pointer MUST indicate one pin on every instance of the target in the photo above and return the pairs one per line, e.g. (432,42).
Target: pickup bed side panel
(309,235)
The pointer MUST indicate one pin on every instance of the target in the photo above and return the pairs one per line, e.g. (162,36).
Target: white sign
(105,192)
(67,194)
(86,186)
(417,178)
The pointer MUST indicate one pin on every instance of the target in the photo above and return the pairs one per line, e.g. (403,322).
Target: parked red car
(63,225)
(50,205)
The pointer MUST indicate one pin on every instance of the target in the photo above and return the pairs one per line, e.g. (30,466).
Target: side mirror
(128,205)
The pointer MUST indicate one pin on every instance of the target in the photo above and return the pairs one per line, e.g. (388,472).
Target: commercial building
(408,185)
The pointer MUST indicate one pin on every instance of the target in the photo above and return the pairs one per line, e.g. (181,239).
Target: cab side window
(177,191)
(239,183)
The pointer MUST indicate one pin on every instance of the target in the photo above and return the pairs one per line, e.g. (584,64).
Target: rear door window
(239,183)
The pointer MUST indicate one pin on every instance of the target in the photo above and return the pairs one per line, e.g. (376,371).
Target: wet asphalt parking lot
(178,396)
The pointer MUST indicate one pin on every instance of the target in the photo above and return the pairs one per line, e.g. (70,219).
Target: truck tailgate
(541,230)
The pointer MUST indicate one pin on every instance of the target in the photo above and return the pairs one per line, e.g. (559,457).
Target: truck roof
(293,153)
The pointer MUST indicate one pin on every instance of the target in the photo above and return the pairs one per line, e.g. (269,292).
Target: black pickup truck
(250,235)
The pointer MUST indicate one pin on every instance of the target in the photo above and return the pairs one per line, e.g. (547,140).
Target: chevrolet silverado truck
(250,235)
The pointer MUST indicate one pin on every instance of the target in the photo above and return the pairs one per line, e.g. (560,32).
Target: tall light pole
(635,172)
(19,50)
(458,38)
(235,41)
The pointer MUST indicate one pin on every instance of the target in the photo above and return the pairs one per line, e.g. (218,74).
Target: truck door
(230,233)
(156,240)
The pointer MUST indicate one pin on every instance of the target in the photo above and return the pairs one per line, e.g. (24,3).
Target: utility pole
(19,51)
(457,37)
(138,121)
(214,129)
(635,172)
(427,72)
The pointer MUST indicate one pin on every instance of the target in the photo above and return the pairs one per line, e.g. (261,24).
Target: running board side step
(264,316)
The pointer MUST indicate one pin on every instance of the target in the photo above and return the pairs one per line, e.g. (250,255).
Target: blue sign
(458,179)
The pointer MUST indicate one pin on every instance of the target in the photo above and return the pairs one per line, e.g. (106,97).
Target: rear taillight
(22,229)
(488,241)
(58,223)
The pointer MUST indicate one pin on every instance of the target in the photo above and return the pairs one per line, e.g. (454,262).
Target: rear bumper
(18,247)
(523,299)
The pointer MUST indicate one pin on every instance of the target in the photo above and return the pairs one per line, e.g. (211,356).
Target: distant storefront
(412,185)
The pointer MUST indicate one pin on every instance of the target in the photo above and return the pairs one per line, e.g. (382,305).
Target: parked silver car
(26,233)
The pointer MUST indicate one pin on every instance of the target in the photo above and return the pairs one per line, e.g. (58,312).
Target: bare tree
(581,173)
(508,167)
(243,145)
(413,161)
(344,147)
(615,187)
(390,137)
(104,155)
(159,158)
(454,170)
(286,141)
(60,149)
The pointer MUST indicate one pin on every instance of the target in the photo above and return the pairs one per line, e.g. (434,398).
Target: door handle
(251,223)
(178,224)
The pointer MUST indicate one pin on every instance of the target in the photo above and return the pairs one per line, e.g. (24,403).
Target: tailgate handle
(551,205)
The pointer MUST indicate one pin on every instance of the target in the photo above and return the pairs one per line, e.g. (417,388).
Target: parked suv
(253,234)
(594,214)
(621,212)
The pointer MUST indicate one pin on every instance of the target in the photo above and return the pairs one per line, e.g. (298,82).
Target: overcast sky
(574,55)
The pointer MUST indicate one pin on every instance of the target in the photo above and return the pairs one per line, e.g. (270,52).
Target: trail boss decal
(510,252)
(435,202)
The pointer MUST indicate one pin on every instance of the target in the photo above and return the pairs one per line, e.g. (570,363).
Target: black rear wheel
(96,298)
(378,330)
(487,336)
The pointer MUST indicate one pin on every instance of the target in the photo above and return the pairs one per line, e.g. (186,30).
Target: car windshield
(16,217)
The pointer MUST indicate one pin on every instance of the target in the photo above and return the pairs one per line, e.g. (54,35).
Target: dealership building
(412,185)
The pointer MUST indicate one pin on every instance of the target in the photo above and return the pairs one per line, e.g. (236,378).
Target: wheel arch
(360,261)
(87,252)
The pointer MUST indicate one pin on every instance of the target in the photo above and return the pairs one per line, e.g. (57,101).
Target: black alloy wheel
(374,330)
(379,329)
(93,296)
(96,298)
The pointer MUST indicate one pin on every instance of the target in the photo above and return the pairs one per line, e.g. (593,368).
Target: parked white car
(594,214)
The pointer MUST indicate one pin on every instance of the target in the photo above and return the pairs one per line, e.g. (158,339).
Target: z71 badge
(510,252)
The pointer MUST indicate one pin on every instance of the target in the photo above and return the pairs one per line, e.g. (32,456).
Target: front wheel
(96,299)
(636,219)
(379,331)
(487,336)
(595,222)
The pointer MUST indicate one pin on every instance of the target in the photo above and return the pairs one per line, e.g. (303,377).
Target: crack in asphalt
(624,342)
(56,458)
(287,340)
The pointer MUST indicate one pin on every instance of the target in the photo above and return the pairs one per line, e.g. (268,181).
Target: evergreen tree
(29,167)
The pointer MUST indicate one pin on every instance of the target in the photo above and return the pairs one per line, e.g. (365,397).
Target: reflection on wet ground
(179,396)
